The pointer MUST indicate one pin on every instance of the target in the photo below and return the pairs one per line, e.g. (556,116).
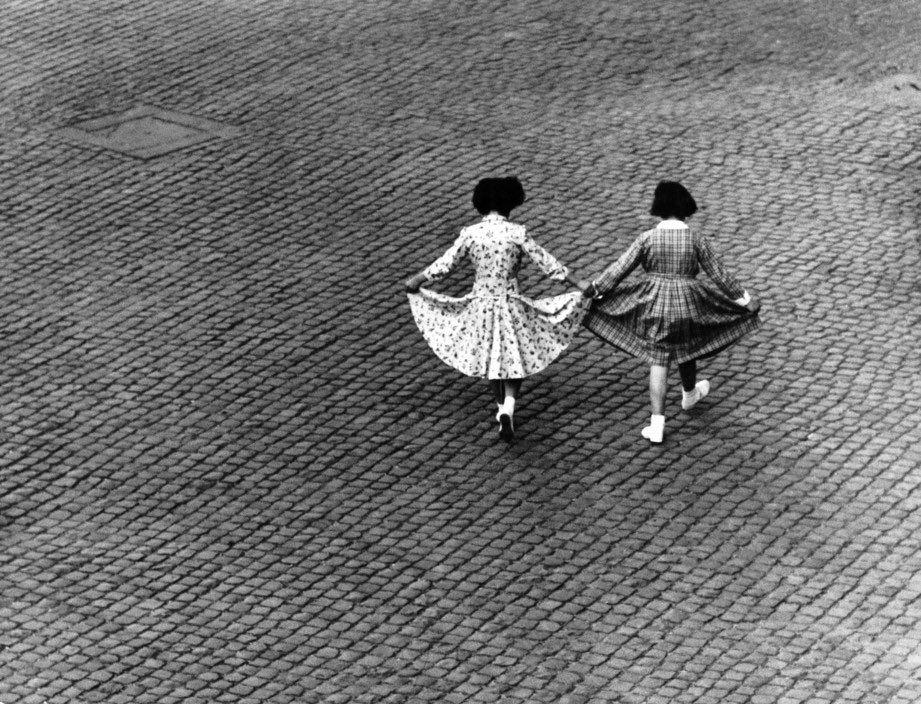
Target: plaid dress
(494,332)
(669,315)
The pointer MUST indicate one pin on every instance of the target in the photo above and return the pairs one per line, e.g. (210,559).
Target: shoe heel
(655,431)
(506,427)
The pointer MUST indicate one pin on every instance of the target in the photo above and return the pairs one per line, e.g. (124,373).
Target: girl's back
(671,252)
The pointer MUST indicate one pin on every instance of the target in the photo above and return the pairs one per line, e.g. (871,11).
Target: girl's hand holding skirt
(413,283)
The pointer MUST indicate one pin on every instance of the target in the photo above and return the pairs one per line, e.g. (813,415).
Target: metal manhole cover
(145,132)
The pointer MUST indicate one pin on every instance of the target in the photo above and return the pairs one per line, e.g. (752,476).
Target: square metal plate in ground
(146,132)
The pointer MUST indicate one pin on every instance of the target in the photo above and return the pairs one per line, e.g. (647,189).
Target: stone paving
(233,472)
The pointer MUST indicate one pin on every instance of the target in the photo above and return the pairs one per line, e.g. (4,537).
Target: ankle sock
(690,398)
(655,430)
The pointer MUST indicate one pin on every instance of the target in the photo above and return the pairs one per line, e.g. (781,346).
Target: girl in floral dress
(670,315)
(494,332)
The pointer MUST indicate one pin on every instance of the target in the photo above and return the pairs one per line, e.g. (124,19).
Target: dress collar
(672,224)
(495,216)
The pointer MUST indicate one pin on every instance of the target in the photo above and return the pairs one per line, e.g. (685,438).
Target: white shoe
(655,430)
(505,418)
(689,399)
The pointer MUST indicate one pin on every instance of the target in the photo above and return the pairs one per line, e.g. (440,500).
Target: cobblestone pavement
(232,471)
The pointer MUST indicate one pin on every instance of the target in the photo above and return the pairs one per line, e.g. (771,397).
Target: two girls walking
(668,316)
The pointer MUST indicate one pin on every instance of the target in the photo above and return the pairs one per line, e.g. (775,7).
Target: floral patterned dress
(494,332)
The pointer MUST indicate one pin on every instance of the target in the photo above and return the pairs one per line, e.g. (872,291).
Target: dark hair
(672,200)
(498,195)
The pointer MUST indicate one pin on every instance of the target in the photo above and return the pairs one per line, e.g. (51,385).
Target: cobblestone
(230,468)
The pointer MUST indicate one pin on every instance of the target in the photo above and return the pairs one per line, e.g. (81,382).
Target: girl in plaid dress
(494,332)
(670,315)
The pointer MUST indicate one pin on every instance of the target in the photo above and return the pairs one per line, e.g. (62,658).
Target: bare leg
(658,376)
(512,387)
(688,372)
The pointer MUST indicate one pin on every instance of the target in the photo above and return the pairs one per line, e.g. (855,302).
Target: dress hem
(636,346)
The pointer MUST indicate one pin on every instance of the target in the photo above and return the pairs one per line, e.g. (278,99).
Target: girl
(494,332)
(670,316)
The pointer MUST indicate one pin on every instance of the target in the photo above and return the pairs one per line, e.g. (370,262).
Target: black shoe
(506,427)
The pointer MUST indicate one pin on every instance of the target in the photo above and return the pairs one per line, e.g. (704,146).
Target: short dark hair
(498,195)
(672,200)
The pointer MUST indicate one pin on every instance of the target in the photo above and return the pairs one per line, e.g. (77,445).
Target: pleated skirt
(669,319)
(497,337)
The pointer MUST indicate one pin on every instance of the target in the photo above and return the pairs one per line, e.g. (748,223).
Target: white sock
(509,405)
(655,430)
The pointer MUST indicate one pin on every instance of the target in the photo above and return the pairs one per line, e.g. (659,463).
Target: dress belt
(659,275)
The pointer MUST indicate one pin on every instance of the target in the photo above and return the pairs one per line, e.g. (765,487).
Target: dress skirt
(669,318)
(497,336)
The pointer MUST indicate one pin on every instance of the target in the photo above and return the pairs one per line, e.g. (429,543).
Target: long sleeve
(615,273)
(713,265)
(543,259)
(443,266)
